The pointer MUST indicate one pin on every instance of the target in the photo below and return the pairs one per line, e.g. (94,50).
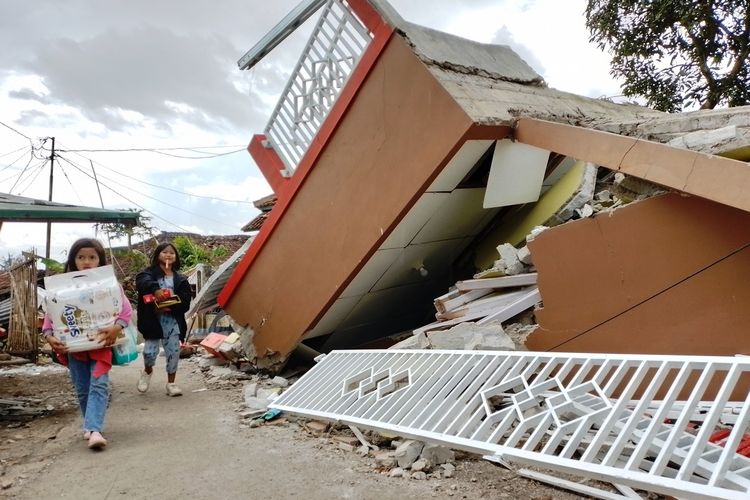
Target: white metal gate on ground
(610,417)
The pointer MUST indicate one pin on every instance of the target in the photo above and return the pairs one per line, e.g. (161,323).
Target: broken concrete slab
(418,341)
(470,336)
(508,263)
(408,453)
(437,455)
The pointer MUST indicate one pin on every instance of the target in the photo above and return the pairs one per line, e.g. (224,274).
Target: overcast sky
(116,74)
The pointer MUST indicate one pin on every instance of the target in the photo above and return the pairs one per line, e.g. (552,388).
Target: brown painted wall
(397,134)
(666,275)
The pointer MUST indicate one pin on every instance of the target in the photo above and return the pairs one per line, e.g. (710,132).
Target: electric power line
(14,161)
(204,155)
(21,174)
(14,151)
(124,197)
(212,198)
(156,150)
(38,169)
(14,130)
(79,168)
(167,204)
(175,148)
(71,185)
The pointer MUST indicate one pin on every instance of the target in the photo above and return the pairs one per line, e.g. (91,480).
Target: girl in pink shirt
(89,370)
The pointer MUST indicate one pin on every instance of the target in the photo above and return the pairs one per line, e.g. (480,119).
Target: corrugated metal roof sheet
(21,209)
(206,298)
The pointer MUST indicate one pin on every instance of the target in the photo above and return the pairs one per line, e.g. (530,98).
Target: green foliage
(138,259)
(119,230)
(52,265)
(219,251)
(190,253)
(676,53)
(11,261)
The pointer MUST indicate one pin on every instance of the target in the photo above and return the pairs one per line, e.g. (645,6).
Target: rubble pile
(495,310)
(393,457)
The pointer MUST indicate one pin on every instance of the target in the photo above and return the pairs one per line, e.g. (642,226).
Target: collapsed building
(404,162)
(401,157)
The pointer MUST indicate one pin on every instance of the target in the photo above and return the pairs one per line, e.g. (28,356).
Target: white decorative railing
(620,418)
(335,47)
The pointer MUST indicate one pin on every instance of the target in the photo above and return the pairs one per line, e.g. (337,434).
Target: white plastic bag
(80,303)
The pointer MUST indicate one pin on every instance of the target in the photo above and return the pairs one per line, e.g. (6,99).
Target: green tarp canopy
(20,209)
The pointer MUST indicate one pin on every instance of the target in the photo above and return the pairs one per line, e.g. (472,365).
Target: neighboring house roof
(231,242)
(256,223)
(265,205)
(21,209)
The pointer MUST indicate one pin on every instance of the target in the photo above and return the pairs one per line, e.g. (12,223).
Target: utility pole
(51,172)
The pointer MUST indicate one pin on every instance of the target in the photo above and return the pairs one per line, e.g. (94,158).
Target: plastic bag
(126,352)
(82,302)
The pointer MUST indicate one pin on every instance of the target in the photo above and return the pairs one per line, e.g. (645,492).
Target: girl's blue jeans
(93,393)
(171,346)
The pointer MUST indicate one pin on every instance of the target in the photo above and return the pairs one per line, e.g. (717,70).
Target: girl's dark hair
(157,251)
(70,264)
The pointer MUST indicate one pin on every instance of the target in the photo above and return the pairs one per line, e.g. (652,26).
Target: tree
(119,230)
(676,53)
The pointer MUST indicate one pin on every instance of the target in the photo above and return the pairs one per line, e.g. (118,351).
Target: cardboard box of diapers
(79,303)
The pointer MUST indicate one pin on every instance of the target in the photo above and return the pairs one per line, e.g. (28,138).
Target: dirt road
(195,447)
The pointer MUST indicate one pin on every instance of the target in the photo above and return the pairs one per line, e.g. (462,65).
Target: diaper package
(79,303)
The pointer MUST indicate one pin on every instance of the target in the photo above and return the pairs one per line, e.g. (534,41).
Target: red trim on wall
(268,162)
(367,14)
(288,189)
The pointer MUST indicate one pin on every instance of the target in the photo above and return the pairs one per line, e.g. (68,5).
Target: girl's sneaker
(86,435)
(144,381)
(173,390)
(97,441)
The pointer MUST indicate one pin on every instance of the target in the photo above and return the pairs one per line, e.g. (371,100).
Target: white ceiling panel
(372,272)
(516,174)
(415,220)
(459,166)
(458,216)
(333,317)
(434,256)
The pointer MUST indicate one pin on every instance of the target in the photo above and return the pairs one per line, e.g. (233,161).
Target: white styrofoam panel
(457,217)
(436,255)
(516,174)
(415,220)
(371,272)
(459,166)
(333,317)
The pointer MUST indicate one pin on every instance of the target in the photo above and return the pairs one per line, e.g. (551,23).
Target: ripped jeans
(171,350)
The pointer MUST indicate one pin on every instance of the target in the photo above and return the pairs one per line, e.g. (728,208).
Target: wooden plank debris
(458,299)
(480,307)
(499,282)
